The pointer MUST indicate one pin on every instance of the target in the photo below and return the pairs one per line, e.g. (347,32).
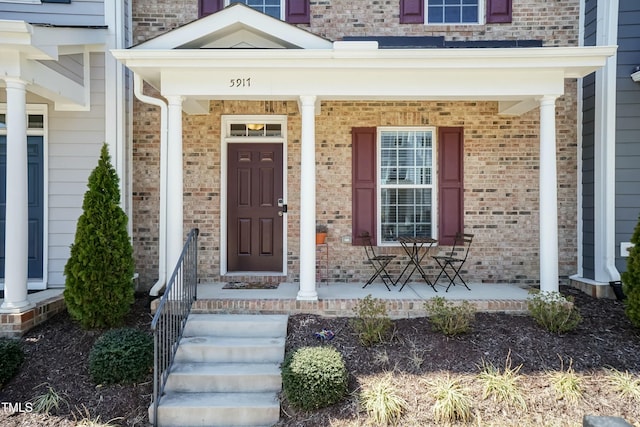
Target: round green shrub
(11,357)
(314,377)
(121,356)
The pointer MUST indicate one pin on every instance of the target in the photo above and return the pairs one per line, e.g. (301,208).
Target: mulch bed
(57,352)
(56,356)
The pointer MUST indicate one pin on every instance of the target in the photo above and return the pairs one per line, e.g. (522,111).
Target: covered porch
(197,68)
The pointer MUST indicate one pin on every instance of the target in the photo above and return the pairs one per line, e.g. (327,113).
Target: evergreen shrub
(11,357)
(631,279)
(121,356)
(99,273)
(314,377)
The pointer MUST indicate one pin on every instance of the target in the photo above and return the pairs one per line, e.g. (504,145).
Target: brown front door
(254,240)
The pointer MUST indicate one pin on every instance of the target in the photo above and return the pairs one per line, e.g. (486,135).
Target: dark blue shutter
(55,1)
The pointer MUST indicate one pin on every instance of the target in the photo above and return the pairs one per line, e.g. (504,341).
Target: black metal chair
(379,262)
(455,260)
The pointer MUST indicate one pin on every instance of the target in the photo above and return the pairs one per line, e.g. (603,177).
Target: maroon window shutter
(207,7)
(298,11)
(412,11)
(363,183)
(498,11)
(450,183)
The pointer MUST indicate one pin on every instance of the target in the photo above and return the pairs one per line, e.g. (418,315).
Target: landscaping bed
(56,355)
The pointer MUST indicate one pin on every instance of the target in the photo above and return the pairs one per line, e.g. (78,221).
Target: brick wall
(554,22)
(501,153)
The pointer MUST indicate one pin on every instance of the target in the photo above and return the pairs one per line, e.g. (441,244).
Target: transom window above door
(255,129)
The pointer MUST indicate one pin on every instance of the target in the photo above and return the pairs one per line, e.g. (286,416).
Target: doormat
(250,285)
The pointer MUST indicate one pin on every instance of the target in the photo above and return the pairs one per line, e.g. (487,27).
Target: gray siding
(627,126)
(588,120)
(70,66)
(78,12)
(75,139)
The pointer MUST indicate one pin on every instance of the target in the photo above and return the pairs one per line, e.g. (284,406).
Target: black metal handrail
(171,315)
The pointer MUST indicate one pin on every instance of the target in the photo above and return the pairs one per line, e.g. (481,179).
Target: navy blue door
(35,147)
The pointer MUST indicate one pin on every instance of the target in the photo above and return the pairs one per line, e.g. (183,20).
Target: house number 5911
(240,82)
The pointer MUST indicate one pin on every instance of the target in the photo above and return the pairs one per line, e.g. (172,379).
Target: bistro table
(416,248)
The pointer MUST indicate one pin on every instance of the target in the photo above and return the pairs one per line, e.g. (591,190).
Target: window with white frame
(273,8)
(454,11)
(405,183)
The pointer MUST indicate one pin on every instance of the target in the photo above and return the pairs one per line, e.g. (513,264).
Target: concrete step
(226,372)
(230,349)
(218,409)
(236,325)
(224,377)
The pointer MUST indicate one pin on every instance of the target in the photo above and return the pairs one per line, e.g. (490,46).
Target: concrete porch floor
(339,299)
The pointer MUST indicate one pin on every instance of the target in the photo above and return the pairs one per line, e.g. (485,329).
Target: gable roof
(237,26)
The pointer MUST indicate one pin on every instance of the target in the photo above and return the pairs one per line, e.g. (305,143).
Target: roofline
(365,55)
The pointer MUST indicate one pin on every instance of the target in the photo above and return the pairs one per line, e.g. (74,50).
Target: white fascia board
(574,61)
(45,43)
(519,74)
(76,40)
(10,25)
(18,35)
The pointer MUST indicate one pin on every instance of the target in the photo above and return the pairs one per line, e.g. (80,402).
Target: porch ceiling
(361,71)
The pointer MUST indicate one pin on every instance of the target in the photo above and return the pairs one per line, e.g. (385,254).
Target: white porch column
(548,196)
(308,201)
(17,214)
(174,199)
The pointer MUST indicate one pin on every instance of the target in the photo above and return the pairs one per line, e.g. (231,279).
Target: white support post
(175,190)
(307,290)
(548,196)
(17,214)
(604,158)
